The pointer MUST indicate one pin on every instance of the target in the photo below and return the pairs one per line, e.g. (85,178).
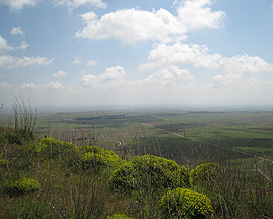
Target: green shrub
(119,216)
(92,149)
(23,185)
(55,147)
(205,173)
(2,160)
(17,136)
(185,203)
(97,158)
(149,172)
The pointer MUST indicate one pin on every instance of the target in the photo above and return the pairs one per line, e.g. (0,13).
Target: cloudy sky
(130,52)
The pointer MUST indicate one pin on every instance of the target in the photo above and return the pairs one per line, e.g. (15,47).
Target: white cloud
(91,63)
(5,85)
(229,79)
(194,15)
(31,87)
(169,76)
(112,77)
(77,3)
(246,64)
(178,54)
(17,5)
(60,73)
(133,25)
(8,61)
(17,31)
(23,45)
(55,86)
(4,44)
(5,47)
(89,16)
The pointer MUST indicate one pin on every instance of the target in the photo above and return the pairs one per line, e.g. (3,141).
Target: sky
(135,52)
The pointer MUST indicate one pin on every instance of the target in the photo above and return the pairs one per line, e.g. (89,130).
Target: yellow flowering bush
(55,147)
(185,203)
(205,173)
(23,185)
(97,158)
(145,172)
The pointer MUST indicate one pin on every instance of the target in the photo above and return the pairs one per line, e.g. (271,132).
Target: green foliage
(145,172)
(2,160)
(205,173)
(55,147)
(30,209)
(23,185)
(67,152)
(97,158)
(185,203)
(16,136)
(119,216)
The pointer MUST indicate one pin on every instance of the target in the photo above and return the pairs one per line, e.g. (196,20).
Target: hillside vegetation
(52,178)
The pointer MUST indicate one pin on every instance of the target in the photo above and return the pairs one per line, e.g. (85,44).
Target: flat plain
(185,136)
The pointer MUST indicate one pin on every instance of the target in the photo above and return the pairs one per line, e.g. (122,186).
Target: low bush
(149,172)
(16,136)
(23,185)
(205,173)
(67,152)
(55,147)
(99,159)
(185,203)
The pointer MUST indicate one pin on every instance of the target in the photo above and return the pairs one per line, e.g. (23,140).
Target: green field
(185,136)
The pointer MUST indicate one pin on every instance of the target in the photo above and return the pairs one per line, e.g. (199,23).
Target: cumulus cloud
(77,3)
(17,5)
(17,31)
(195,15)
(112,77)
(169,76)
(8,61)
(91,62)
(55,86)
(133,25)
(4,46)
(246,64)
(178,54)
(60,73)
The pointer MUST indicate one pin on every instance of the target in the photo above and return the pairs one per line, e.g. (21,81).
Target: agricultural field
(185,136)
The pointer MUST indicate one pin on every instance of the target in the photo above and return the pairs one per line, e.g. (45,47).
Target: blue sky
(132,52)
